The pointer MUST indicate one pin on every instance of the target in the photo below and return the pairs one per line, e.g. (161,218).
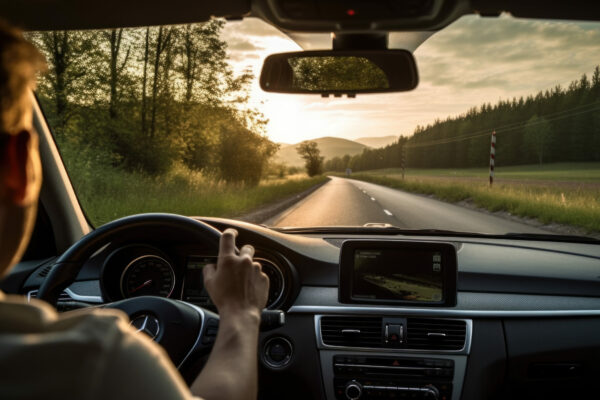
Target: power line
(512,127)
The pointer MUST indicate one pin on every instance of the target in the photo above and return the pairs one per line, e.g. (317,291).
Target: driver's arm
(239,289)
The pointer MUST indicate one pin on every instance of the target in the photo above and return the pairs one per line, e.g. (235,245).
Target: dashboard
(177,272)
(524,323)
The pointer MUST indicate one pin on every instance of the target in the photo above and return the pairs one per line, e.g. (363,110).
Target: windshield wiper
(392,230)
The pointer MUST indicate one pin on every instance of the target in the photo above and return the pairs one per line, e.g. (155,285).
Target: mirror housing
(340,72)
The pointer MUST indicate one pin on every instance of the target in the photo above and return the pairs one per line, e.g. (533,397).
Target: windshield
(501,135)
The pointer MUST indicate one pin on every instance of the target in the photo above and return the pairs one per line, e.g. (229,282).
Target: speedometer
(148,275)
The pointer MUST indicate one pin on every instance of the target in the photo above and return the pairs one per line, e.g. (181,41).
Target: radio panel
(383,377)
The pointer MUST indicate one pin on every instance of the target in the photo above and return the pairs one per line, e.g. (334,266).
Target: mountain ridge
(330,147)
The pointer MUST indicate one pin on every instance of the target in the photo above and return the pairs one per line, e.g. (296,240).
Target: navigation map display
(398,272)
(379,274)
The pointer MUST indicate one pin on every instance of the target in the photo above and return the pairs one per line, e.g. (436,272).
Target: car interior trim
(57,194)
(429,312)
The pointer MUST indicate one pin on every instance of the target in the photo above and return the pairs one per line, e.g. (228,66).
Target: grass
(109,193)
(580,172)
(566,193)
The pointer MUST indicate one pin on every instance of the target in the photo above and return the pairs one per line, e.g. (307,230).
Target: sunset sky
(474,60)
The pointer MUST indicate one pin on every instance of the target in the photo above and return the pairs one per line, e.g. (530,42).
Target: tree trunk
(60,50)
(144,82)
(115,44)
(189,68)
(155,80)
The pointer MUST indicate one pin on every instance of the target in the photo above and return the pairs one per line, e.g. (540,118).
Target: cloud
(512,54)
(240,44)
(472,61)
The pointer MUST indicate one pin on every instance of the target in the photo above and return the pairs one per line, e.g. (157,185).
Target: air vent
(435,334)
(44,272)
(63,296)
(351,331)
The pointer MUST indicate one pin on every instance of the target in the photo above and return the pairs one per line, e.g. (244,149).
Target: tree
(336,73)
(311,154)
(242,154)
(145,99)
(114,38)
(537,135)
(67,82)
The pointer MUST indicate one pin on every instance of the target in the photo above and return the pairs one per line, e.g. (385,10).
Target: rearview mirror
(340,72)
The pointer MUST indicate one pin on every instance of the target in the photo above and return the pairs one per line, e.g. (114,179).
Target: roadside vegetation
(565,193)
(110,193)
(155,120)
(313,161)
(552,126)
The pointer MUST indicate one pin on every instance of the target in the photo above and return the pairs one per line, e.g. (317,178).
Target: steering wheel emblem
(147,324)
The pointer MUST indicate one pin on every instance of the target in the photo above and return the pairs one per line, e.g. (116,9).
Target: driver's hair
(20,62)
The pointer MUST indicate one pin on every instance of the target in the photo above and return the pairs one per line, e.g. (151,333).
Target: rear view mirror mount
(338,72)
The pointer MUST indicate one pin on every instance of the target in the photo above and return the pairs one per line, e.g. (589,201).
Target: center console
(373,351)
(428,362)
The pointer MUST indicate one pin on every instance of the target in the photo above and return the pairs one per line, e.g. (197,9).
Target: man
(96,354)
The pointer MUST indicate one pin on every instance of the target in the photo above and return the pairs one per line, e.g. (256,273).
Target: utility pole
(403,159)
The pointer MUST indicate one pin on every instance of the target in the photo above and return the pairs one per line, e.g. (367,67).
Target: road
(347,202)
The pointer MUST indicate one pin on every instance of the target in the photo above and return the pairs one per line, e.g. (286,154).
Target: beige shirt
(86,354)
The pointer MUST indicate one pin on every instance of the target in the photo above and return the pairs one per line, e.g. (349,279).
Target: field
(111,193)
(565,193)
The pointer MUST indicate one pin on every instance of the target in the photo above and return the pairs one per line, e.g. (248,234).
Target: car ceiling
(75,14)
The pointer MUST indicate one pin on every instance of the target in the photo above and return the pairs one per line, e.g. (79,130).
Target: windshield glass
(501,135)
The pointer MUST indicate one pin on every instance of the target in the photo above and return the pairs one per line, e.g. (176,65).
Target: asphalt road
(347,202)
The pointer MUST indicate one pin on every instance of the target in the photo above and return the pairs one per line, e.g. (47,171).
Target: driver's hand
(236,284)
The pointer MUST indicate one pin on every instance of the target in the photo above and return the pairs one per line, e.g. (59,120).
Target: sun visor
(74,14)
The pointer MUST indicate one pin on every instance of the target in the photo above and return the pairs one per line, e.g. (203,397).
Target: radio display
(194,291)
(398,272)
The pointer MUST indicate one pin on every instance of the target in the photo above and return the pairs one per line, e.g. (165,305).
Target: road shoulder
(266,212)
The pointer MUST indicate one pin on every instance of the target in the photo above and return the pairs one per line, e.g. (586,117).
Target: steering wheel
(184,330)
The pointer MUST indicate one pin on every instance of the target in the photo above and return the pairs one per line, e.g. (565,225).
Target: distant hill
(377,142)
(330,147)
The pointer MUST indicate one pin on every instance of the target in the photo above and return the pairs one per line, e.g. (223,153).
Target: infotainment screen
(398,272)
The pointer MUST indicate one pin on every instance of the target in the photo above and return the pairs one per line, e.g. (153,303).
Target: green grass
(567,194)
(580,172)
(109,193)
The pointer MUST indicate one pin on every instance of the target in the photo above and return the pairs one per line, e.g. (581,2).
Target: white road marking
(372,198)
(387,212)
(364,191)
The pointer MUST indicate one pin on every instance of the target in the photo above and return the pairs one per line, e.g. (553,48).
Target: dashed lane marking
(372,198)
(387,212)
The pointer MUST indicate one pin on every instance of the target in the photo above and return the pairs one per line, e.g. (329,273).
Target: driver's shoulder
(20,315)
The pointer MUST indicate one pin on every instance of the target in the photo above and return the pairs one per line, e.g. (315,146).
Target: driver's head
(20,168)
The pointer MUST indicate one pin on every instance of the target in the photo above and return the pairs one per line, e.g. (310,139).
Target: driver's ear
(21,167)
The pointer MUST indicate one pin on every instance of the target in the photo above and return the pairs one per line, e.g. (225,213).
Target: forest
(555,125)
(145,100)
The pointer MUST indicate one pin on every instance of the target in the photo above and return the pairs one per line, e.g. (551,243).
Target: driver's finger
(208,271)
(247,250)
(227,243)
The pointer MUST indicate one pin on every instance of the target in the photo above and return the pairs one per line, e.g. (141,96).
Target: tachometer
(148,275)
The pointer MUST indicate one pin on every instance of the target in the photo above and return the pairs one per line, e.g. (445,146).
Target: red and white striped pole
(492,157)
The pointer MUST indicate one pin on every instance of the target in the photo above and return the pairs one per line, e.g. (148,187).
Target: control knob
(353,390)
(430,392)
